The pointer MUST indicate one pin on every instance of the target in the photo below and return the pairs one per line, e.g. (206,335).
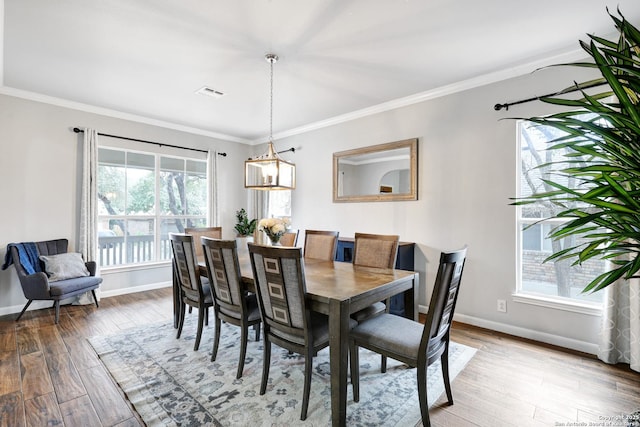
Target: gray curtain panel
(620,340)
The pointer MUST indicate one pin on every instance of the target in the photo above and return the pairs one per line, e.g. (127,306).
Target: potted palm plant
(601,145)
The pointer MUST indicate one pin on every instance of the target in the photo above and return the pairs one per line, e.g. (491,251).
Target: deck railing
(119,250)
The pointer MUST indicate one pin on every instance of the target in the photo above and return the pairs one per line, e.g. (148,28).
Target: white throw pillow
(64,266)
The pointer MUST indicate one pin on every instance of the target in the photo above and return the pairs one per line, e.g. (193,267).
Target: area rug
(170,384)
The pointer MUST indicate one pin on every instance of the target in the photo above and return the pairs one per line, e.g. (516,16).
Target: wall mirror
(378,173)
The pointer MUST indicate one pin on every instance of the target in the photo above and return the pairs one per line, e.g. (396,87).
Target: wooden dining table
(339,289)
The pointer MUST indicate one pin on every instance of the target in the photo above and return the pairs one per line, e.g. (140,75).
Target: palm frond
(600,146)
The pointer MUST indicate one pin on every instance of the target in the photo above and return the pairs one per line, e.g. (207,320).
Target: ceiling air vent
(210,92)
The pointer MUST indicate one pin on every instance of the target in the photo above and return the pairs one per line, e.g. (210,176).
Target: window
(556,280)
(280,204)
(142,198)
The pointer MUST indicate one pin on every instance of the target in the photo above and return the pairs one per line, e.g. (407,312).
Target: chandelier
(269,171)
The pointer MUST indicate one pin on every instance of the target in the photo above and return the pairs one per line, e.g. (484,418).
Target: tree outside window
(143,197)
(552,279)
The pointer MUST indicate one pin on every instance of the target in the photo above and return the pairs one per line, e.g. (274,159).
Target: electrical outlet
(502,306)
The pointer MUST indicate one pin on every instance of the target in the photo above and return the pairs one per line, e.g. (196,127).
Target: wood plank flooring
(49,374)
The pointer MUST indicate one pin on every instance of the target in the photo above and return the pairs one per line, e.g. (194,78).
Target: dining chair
(289,238)
(231,302)
(380,251)
(411,342)
(319,244)
(287,320)
(194,290)
(198,232)
(374,250)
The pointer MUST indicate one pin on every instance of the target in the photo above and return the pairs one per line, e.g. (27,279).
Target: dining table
(339,289)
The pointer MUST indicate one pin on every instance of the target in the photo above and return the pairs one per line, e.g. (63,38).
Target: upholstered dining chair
(320,244)
(198,232)
(231,301)
(194,289)
(287,320)
(289,238)
(380,251)
(374,250)
(411,342)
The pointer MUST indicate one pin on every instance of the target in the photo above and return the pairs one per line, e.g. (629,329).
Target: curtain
(88,204)
(620,339)
(258,208)
(212,200)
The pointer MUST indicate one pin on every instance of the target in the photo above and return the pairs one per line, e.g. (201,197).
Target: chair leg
(181,319)
(177,295)
(308,368)
(201,315)
(422,395)
(206,316)
(355,370)
(56,305)
(24,309)
(244,332)
(95,299)
(256,328)
(216,339)
(383,364)
(266,361)
(444,362)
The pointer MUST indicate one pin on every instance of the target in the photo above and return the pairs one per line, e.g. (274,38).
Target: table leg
(411,300)
(339,359)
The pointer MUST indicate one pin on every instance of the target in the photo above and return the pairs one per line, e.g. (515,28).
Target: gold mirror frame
(412,144)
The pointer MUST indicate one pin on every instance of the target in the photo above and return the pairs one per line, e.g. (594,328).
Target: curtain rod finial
(499,107)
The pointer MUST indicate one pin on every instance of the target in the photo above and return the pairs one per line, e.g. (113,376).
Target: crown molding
(32,96)
(516,71)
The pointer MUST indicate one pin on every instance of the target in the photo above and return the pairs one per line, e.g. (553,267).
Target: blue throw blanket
(28,254)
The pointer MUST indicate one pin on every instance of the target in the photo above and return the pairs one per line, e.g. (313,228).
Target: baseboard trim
(570,343)
(39,305)
(133,290)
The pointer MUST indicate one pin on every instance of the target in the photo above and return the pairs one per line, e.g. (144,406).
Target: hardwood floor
(49,375)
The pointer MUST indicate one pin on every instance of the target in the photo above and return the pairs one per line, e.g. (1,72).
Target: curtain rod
(578,87)
(78,130)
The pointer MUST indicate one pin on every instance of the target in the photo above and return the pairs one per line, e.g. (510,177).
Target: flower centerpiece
(274,228)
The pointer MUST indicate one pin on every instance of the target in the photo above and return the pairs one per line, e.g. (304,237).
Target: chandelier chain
(271,104)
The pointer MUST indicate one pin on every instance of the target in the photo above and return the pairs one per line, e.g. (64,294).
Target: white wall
(467,173)
(40,173)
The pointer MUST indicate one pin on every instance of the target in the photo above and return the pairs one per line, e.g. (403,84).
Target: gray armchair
(36,286)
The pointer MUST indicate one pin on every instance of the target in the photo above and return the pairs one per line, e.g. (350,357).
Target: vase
(241,243)
(275,241)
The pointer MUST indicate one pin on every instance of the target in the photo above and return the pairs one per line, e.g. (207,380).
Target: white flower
(278,228)
(274,227)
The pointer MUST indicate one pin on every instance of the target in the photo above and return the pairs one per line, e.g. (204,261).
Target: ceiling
(337,57)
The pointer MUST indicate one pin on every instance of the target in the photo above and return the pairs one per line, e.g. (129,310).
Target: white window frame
(525,297)
(158,217)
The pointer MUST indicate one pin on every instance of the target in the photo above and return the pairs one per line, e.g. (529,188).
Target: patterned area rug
(169,384)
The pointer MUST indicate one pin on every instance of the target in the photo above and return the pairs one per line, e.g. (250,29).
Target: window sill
(565,305)
(139,267)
